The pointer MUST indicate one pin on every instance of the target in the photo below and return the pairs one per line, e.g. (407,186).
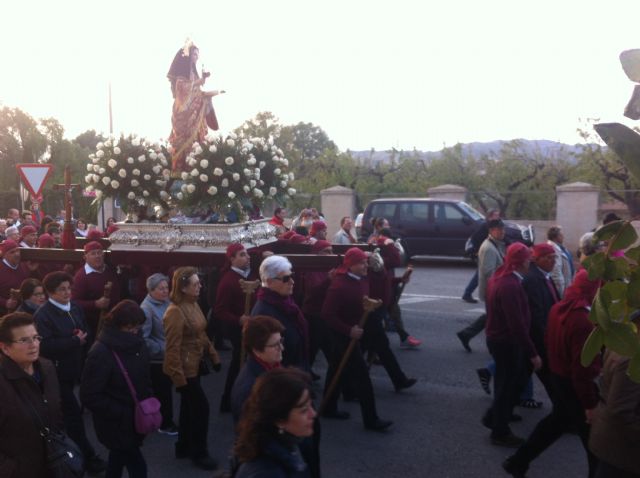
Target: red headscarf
(233,249)
(352,257)
(317,226)
(543,249)
(92,246)
(579,294)
(298,239)
(8,245)
(517,255)
(319,245)
(94,235)
(46,240)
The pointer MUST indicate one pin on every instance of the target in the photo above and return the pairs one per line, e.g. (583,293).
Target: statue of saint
(192,107)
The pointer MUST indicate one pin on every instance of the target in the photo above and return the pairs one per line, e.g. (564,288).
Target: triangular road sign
(34,176)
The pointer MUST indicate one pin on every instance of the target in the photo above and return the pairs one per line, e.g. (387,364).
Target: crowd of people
(82,337)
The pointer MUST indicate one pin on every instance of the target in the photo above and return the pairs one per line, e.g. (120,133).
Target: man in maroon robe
(12,273)
(89,286)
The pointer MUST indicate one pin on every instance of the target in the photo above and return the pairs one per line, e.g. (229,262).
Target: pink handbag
(147,416)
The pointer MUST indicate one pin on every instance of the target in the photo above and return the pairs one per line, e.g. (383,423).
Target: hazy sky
(371,73)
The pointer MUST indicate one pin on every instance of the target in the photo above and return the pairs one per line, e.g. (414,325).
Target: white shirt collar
(244,273)
(24,244)
(354,276)
(66,307)
(546,274)
(9,265)
(88,269)
(518,275)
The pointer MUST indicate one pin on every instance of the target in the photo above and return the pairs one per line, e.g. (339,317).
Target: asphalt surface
(436,432)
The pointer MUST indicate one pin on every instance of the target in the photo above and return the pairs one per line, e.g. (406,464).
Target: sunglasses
(284,279)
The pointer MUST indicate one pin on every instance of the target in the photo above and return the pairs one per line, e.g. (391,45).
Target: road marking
(432,297)
(415,300)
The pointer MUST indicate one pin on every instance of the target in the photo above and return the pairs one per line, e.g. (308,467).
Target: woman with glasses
(186,350)
(278,416)
(31,296)
(263,344)
(105,391)
(26,380)
(274,300)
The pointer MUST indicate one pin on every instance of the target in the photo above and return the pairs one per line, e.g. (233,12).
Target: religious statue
(193,110)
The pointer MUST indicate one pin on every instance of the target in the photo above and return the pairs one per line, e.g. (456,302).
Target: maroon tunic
(316,285)
(342,308)
(11,279)
(89,288)
(230,299)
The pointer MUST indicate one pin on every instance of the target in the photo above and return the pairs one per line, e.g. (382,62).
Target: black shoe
(465,341)
(94,465)
(513,469)
(205,462)
(508,441)
(379,425)
(485,379)
(181,451)
(337,415)
(407,383)
(470,299)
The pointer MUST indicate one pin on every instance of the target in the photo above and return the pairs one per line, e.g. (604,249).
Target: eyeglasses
(28,340)
(279,344)
(284,279)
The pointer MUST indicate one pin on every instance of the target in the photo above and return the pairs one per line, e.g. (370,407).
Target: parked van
(438,227)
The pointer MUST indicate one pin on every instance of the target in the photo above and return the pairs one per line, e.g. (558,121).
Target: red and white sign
(34,176)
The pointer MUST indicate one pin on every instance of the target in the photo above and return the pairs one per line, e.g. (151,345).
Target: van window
(447,213)
(414,211)
(383,209)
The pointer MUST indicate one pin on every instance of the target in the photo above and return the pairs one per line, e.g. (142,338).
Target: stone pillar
(448,191)
(335,203)
(576,211)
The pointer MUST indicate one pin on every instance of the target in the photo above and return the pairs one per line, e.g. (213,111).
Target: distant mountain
(540,146)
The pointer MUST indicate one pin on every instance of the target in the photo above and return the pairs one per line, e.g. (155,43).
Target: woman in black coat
(105,392)
(278,414)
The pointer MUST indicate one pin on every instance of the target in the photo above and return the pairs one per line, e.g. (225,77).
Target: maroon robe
(89,288)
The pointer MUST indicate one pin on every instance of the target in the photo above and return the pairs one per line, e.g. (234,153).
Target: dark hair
(125,313)
(44,223)
(13,321)
(610,217)
(181,66)
(342,221)
(51,227)
(553,232)
(278,210)
(272,398)
(53,280)
(303,231)
(180,279)
(377,222)
(257,331)
(27,288)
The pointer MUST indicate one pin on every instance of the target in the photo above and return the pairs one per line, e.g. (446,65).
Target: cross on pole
(68,235)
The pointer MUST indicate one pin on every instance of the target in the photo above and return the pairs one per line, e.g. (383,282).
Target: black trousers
(163,391)
(605,470)
(132,460)
(318,340)
(72,415)
(567,416)
(356,373)
(512,374)
(475,327)
(194,420)
(375,339)
(233,333)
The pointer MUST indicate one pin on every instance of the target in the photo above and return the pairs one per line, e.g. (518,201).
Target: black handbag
(64,458)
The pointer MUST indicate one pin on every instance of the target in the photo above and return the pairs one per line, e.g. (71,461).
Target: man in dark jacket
(476,240)
(61,324)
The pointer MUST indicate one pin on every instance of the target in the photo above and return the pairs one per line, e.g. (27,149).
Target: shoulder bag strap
(37,419)
(126,377)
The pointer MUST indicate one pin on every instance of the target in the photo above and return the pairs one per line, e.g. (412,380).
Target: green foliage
(592,347)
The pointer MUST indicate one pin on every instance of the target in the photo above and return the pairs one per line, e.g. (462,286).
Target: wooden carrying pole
(248,287)
(369,305)
(103,312)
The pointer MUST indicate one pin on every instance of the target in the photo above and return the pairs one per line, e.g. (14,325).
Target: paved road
(437,431)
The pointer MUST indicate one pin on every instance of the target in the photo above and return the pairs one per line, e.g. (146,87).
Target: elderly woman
(105,391)
(186,346)
(262,338)
(274,300)
(154,306)
(32,296)
(278,414)
(25,378)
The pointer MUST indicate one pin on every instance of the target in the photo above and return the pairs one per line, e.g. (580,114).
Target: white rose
(98,194)
(291,192)
(210,137)
(262,164)
(130,160)
(285,161)
(252,183)
(112,163)
(291,177)
(135,141)
(90,188)
(191,188)
(246,172)
(135,183)
(115,184)
(232,135)
(265,148)
(156,169)
(228,161)
(116,150)
(164,195)
(192,162)
(100,145)
(153,155)
(251,161)
(204,164)
(159,182)
(212,190)
(147,177)
(164,162)
(246,189)
(272,191)
(95,160)
(142,158)
(184,175)
(283,184)
(161,156)
(96,168)
(212,148)
(231,195)
(100,153)
(145,193)
(236,177)
(258,193)
(131,195)
(88,178)
(107,143)
(101,170)
(96,178)
(89,167)
(136,172)
(179,196)
(183,188)
(198,150)
(122,173)
(261,182)
(166,173)
(195,145)
(195,172)
(204,178)
(225,183)
(231,142)
(277,171)
(217,172)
